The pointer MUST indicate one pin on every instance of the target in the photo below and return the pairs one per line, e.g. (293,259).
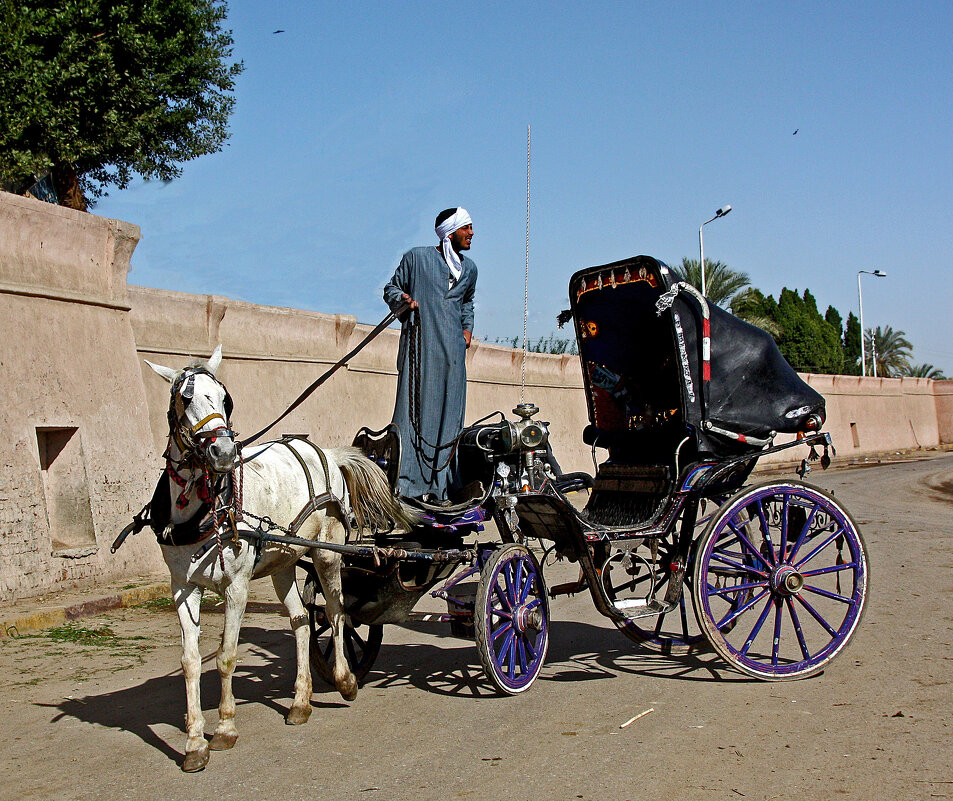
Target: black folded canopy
(644,367)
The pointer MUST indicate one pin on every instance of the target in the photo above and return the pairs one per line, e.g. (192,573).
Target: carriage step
(633,608)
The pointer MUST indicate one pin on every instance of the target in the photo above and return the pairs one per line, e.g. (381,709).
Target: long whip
(334,368)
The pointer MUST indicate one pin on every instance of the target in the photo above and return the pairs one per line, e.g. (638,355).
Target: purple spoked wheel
(511,618)
(362,643)
(780,580)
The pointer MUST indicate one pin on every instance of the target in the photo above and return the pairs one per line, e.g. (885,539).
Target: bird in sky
(795,131)
(278,31)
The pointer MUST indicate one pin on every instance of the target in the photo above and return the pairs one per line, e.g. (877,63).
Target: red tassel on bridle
(203,486)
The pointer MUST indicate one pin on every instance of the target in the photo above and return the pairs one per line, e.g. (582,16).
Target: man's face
(460,239)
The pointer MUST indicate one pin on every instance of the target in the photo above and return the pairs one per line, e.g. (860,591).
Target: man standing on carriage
(439,284)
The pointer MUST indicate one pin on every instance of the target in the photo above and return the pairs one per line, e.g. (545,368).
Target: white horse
(314,493)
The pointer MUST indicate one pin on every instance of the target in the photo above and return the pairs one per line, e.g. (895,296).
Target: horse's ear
(166,372)
(215,360)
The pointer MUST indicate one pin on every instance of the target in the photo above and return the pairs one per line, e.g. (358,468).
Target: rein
(334,368)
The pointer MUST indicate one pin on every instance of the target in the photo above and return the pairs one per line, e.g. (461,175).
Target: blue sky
(361,121)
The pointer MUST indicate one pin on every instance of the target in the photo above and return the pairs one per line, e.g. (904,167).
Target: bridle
(190,439)
(221,500)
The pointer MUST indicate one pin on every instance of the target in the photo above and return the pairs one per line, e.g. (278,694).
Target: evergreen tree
(833,317)
(852,345)
(808,341)
(95,91)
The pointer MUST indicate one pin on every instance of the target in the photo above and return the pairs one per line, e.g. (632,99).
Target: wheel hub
(786,580)
(526,618)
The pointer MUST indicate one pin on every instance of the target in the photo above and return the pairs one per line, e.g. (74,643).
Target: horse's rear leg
(328,565)
(188,601)
(287,590)
(236,597)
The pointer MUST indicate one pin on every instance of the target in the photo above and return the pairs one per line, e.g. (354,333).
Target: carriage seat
(383,448)
(628,494)
(632,484)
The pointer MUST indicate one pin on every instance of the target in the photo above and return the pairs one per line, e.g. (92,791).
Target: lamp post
(860,301)
(701,243)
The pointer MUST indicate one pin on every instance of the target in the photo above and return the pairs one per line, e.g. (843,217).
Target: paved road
(105,721)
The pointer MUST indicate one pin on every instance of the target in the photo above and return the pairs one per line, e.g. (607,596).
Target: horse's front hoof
(222,741)
(298,715)
(195,760)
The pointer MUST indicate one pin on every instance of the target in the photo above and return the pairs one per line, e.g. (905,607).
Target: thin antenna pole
(526,277)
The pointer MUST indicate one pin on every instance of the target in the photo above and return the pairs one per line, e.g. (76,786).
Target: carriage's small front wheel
(511,618)
(780,580)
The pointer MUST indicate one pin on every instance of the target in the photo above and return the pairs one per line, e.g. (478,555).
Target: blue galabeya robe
(444,314)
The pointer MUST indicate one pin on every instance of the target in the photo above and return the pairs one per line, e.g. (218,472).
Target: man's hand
(466,337)
(413,303)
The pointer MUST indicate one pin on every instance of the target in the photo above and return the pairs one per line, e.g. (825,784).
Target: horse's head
(199,412)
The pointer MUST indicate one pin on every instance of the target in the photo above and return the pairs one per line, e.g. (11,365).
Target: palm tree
(925,371)
(728,288)
(889,350)
(721,282)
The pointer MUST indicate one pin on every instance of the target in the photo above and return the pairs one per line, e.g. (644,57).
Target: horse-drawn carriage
(683,400)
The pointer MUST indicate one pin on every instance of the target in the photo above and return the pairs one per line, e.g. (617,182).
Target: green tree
(549,344)
(96,91)
(889,349)
(721,282)
(808,341)
(730,289)
(851,343)
(925,371)
(751,306)
(832,316)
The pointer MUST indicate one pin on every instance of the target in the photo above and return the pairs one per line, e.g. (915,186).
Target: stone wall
(76,454)
(271,354)
(943,395)
(84,419)
(877,415)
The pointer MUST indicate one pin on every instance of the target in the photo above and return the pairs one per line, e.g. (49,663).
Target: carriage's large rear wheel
(780,580)
(511,618)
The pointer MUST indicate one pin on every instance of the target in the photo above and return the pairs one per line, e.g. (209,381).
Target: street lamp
(701,244)
(860,300)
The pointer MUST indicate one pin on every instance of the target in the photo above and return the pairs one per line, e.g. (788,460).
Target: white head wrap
(455,222)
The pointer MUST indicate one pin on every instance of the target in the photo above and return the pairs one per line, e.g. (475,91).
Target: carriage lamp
(814,422)
(508,437)
(529,433)
(526,410)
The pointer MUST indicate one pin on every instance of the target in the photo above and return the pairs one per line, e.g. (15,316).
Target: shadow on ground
(577,652)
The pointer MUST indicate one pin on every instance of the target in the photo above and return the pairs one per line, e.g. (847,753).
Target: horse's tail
(372,500)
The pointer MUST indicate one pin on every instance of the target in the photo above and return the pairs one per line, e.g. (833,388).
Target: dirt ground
(95,710)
